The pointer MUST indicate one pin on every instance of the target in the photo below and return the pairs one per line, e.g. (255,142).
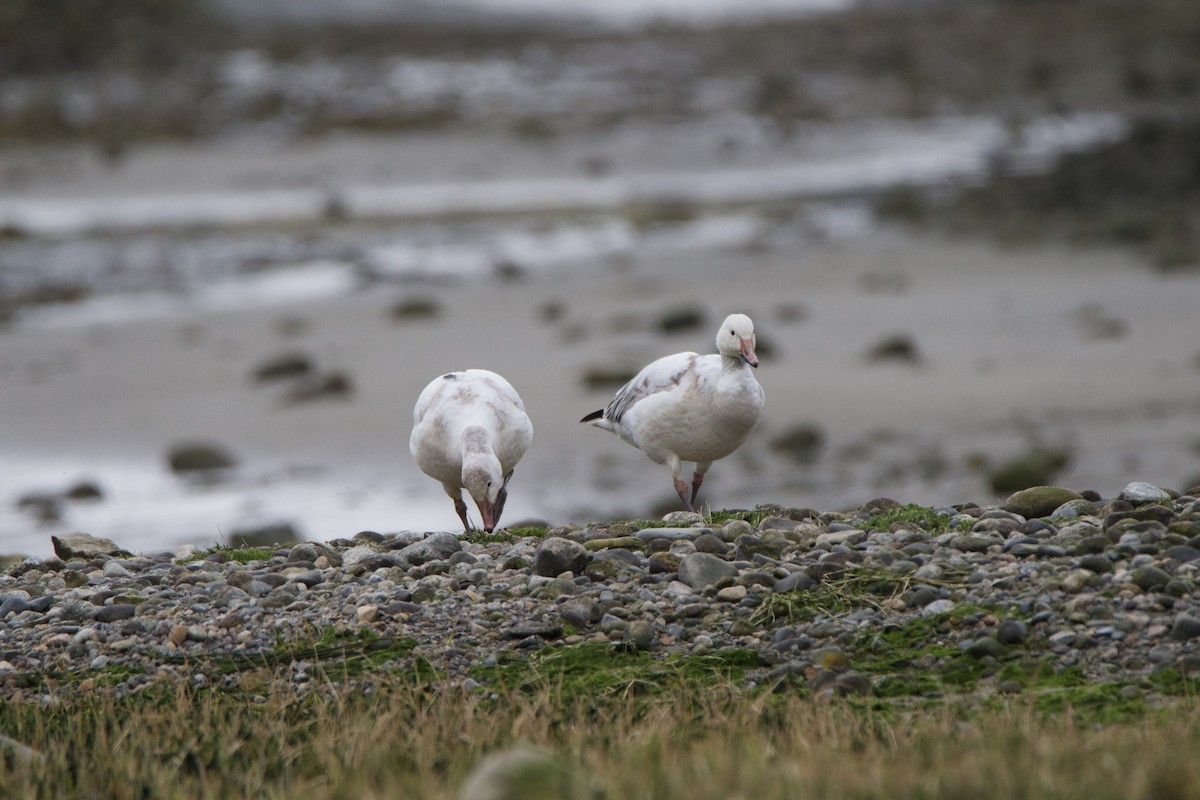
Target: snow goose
(688,407)
(469,431)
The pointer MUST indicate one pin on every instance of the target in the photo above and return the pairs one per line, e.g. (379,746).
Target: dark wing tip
(593,415)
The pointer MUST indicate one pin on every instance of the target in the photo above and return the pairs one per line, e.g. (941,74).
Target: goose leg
(681,488)
(461,508)
(697,479)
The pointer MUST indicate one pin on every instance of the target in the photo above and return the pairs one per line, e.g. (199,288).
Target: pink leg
(697,479)
(681,489)
(461,508)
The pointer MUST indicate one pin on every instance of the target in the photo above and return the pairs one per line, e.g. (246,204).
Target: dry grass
(420,740)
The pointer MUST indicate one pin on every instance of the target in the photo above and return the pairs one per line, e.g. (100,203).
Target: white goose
(469,431)
(689,407)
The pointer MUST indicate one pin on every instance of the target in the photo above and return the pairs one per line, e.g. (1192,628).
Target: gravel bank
(891,600)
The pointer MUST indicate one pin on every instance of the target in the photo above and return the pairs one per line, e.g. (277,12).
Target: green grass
(243,555)
(912,517)
(598,673)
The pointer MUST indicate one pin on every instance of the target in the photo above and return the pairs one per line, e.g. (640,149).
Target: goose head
(482,479)
(735,339)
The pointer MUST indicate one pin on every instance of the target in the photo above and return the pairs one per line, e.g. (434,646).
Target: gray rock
(191,457)
(1149,577)
(1185,627)
(1182,553)
(1012,631)
(1139,492)
(699,570)
(264,536)
(673,534)
(285,365)
(115,569)
(985,646)
(711,543)
(1100,564)
(580,612)
(938,607)
(366,559)
(1039,501)
(13,605)
(796,581)
(115,612)
(84,546)
(640,633)
(973,544)
(302,552)
(557,555)
(1072,509)
(434,547)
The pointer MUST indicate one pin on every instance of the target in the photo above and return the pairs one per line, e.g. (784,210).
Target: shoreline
(1005,362)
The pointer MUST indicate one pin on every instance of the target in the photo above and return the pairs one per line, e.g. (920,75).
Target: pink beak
(489,520)
(747,349)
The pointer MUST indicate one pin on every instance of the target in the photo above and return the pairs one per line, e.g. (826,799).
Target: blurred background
(237,239)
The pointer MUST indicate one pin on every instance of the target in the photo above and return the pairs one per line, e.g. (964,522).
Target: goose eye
(732,333)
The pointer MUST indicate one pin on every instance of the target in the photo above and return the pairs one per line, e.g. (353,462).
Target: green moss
(242,555)
(598,672)
(919,517)
(843,592)
(719,518)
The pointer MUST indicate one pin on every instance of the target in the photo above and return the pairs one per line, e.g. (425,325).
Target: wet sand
(1010,356)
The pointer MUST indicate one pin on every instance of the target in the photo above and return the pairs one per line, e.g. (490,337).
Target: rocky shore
(1050,589)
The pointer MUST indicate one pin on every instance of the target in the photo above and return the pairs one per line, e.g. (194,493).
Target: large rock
(1039,501)
(556,555)
(192,457)
(269,535)
(71,546)
(1139,492)
(434,547)
(1036,468)
(699,570)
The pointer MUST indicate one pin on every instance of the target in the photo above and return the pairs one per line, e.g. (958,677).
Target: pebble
(1108,587)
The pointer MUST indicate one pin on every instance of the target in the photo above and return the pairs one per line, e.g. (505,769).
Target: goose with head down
(689,407)
(469,431)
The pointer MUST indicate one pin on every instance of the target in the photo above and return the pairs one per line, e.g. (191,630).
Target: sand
(1008,359)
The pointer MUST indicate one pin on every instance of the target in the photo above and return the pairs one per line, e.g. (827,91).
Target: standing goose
(469,431)
(688,407)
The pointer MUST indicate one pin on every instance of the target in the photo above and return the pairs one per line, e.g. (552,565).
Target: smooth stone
(556,555)
(641,634)
(973,544)
(1139,492)
(618,542)
(1096,563)
(732,594)
(1185,627)
(434,547)
(115,612)
(13,605)
(711,543)
(115,569)
(699,570)
(673,534)
(1012,631)
(1182,553)
(985,646)
(943,606)
(797,581)
(1039,501)
(85,547)
(1149,577)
